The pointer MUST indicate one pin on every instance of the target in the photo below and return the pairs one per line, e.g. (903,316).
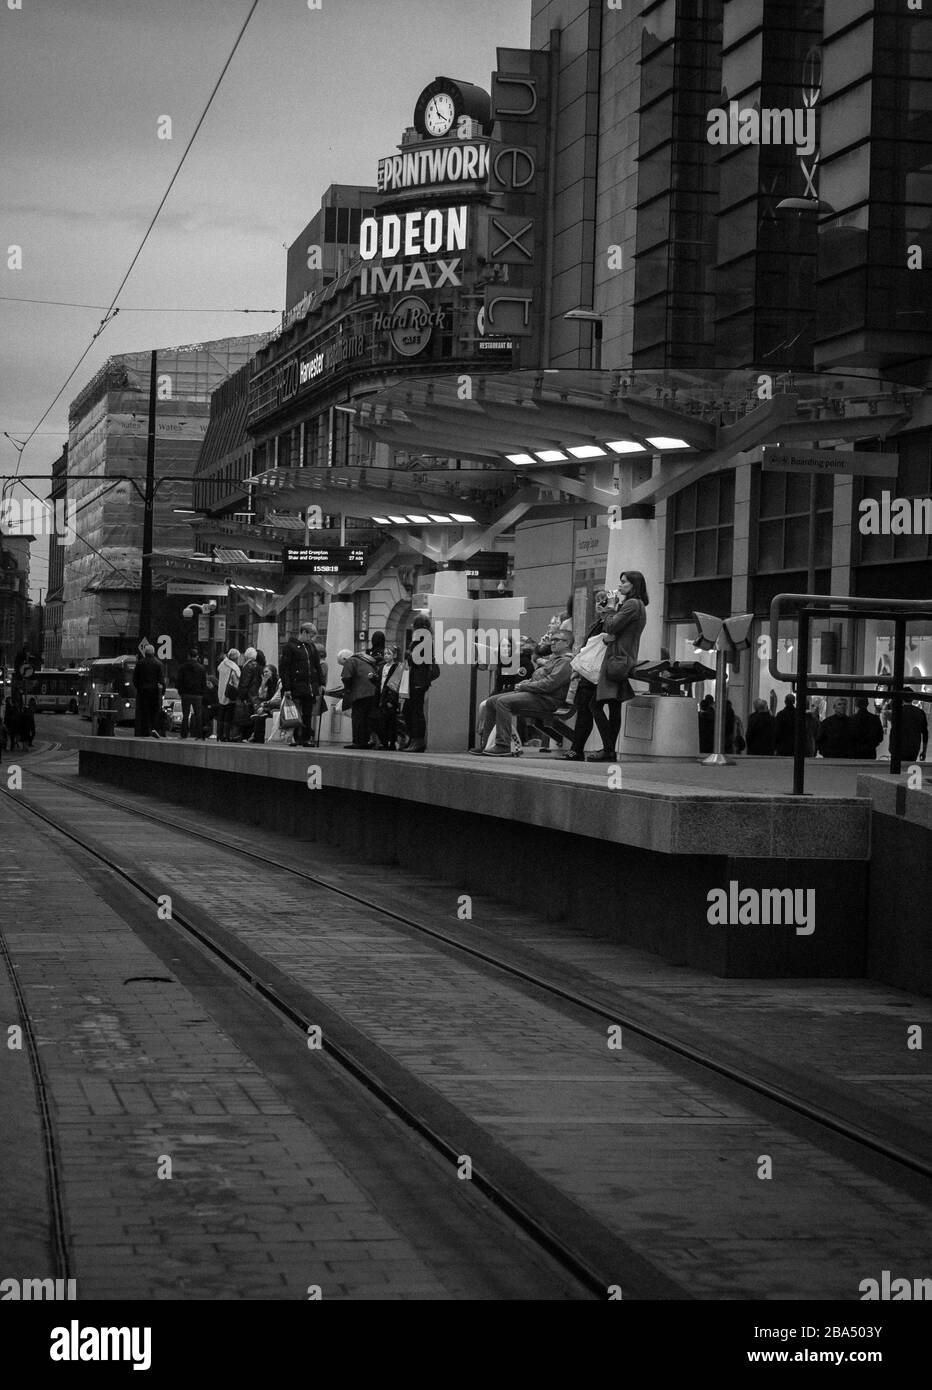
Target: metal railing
(899,612)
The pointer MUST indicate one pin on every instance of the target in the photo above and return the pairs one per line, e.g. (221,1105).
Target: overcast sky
(312,97)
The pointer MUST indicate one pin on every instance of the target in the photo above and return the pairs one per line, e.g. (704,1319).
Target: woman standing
(586,690)
(622,635)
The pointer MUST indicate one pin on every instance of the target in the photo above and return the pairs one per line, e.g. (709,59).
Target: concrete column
(340,634)
(266,639)
(633,545)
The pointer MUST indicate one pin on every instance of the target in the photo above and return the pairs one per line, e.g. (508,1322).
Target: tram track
(605,1013)
(579,1259)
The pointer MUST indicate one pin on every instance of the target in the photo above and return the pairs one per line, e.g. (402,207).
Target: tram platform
(653,855)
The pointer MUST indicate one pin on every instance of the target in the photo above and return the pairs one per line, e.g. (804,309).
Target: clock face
(439,114)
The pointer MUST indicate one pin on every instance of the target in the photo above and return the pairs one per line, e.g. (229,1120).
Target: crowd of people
(248,691)
(548,682)
(840,735)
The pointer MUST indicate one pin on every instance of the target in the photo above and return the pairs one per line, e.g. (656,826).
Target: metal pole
(802,699)
(145,582)
(899,680)
(811,548)
(717,757)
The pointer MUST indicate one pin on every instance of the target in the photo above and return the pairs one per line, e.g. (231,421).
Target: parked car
(171,708)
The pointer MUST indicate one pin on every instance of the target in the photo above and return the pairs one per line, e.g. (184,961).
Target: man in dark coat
(914,730)
(784,732)
(760,738)
(149,680)
(360,692)
(192,687)
(835,734)
(865,729)
(302,678)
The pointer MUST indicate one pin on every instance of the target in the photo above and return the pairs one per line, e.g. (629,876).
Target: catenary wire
(112,310)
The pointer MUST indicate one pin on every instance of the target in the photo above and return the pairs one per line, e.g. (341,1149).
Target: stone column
(341,634)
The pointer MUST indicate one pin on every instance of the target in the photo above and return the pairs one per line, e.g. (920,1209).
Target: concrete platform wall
(651,900)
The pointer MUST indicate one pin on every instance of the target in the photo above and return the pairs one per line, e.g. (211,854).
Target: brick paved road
(665,1158)
(261,1203)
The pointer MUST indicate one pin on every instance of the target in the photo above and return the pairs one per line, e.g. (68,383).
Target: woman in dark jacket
(586,690)
(247,693)
(622,636)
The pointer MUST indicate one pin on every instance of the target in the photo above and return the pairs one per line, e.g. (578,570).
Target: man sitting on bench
(540,695)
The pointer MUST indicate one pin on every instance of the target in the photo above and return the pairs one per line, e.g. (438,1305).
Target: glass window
(656,125)
(737,231)
(741,68)
(846,119)
(740,19)
(847,58)
(845,181)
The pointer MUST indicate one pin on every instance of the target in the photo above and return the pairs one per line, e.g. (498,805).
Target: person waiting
(914,729)
(761,733)
(866,730)
(360,696)
(835,733)
(586,689)
(542,693)
(192,687)
(622,636)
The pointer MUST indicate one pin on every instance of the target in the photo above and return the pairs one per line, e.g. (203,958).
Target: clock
(440,114)
(441,105)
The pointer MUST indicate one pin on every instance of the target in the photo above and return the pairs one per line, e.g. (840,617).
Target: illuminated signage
(324,559)
(413,233)
(462,162)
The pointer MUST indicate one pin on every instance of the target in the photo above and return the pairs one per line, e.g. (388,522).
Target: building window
(783,521)
(702,528)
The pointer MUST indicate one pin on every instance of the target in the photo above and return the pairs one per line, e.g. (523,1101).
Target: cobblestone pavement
(194,1170)
(668,1158)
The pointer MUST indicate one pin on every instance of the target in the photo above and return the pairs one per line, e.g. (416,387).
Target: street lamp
(207,609)
(590,316)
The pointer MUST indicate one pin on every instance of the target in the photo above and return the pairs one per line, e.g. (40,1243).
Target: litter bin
(660,725)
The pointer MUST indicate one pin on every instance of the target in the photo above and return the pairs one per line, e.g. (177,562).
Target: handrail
(809,606)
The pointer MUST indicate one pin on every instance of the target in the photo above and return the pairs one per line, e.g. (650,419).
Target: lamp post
(208,609)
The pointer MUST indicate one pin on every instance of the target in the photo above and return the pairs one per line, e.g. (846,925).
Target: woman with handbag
(622,636)
(585,687)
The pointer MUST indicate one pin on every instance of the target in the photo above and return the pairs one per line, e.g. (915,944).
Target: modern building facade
(107,454)
(746,185)
(721,211)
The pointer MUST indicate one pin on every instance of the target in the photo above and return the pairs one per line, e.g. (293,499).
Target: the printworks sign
(779,459)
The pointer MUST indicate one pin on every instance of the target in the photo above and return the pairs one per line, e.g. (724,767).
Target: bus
(56,692)
(110,689)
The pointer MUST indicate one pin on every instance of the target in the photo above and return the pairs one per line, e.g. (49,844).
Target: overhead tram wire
(130,309)
(112,311)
